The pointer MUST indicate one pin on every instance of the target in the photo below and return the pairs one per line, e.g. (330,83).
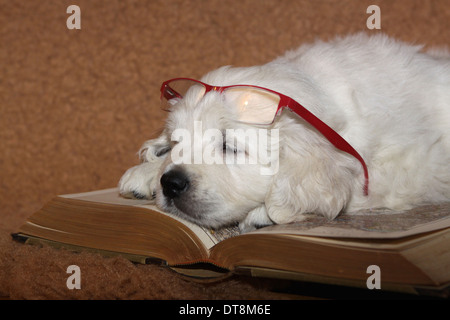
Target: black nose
(174,183)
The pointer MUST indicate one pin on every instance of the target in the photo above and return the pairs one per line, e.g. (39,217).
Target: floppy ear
(152,150)
(311,179)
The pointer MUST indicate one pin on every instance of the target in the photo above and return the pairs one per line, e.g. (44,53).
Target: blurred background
(76,105)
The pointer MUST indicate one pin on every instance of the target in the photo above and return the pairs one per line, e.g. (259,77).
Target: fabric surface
(75,106)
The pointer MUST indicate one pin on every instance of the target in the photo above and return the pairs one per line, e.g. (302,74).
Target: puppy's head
(219,168)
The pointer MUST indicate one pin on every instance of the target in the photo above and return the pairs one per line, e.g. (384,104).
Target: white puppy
(387,99)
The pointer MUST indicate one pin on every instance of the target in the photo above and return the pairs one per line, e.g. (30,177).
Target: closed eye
(163,151)
(226,148)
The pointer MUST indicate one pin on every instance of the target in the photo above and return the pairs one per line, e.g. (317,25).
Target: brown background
(75,106)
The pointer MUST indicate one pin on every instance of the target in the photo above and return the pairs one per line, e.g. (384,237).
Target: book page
(375,224)
(372,224)
(110,196)
(208,236)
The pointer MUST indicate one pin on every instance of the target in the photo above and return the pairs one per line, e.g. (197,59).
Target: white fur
(389,100)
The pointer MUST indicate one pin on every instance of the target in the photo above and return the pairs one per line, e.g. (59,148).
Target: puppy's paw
(257,218)
(139,182)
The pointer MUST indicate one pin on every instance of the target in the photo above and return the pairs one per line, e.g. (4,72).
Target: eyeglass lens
(251,105)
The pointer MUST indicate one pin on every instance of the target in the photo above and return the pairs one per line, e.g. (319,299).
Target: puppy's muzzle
(174,183)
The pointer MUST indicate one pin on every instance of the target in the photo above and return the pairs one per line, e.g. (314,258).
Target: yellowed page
(376,224)
(111,196)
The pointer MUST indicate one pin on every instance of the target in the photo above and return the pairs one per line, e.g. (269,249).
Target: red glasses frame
(332,136)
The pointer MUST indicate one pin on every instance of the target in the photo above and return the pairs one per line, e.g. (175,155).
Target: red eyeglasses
(255,105)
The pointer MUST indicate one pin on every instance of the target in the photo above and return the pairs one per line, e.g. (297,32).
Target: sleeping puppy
(353,124)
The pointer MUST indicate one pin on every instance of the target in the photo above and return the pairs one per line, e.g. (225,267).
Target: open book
(412,248)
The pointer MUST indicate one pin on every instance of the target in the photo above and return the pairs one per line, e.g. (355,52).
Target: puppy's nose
(174,183)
